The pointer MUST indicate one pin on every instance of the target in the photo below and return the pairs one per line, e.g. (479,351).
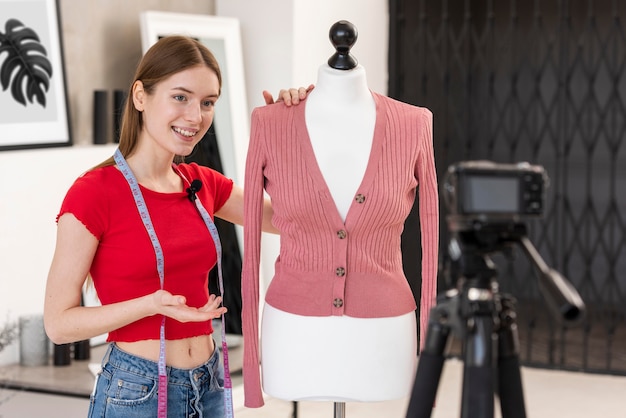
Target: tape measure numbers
(145,217)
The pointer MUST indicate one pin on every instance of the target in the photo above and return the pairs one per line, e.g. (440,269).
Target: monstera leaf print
(26,68)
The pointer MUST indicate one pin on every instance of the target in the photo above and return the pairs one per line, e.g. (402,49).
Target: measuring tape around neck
(145,217)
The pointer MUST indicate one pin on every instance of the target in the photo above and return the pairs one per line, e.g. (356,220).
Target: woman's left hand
(289,97)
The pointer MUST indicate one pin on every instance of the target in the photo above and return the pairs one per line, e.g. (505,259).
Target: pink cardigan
(328,267)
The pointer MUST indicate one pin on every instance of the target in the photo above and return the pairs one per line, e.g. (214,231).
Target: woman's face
(179,111)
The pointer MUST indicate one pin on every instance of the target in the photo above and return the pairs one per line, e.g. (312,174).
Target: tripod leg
(509,377)
(429,367)
(478,387)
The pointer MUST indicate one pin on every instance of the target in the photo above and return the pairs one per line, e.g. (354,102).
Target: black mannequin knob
(343,36)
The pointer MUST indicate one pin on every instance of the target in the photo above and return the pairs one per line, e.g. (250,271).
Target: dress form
(339,358)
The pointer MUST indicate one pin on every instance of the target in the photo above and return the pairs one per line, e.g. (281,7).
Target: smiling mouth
(184,132)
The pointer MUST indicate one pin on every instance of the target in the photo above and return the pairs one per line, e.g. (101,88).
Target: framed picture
(222,36)
(33,98)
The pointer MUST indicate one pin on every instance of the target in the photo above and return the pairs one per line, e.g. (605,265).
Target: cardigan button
(360,198)
(340,271)
(342,234)
(338,302)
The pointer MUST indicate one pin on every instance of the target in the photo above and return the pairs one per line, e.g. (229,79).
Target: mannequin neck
(342,85)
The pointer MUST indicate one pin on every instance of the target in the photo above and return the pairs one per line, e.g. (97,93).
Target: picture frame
(33,97)
(222,36)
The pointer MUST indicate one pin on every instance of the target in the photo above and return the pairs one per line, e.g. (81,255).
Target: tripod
(485,321)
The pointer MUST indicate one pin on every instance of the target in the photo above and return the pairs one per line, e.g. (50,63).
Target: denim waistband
(121,359)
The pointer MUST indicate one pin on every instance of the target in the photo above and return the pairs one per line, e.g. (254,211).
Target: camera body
(493,193)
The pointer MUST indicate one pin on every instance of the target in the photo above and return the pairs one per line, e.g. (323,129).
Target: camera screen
(491,194)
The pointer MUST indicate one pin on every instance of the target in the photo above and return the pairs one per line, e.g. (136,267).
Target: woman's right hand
(175,306)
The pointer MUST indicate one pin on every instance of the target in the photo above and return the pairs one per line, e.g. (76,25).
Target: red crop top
(124,266)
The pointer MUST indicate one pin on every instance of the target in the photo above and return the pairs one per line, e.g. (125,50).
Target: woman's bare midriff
(183,354)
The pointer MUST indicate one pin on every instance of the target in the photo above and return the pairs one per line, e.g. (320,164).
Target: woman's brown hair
(169,55)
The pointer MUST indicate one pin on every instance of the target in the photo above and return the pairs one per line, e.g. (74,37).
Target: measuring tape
(145,217)
(228,384)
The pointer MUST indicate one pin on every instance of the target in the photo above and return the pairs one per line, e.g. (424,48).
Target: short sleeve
(86,200)
(223,187)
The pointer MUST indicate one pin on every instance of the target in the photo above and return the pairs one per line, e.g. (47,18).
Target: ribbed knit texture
(328,267)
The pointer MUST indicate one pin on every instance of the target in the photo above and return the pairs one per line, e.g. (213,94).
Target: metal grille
(540,81)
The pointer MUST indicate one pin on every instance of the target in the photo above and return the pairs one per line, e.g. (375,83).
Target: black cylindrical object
(82,350)
(119,99)
(100,116)
(62,354)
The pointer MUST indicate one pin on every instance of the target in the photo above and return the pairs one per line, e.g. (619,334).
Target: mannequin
(341,356)
(346,136)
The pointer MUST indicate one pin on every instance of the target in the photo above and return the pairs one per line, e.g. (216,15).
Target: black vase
(62,354)
(100,116)
(119,99)
(82,350)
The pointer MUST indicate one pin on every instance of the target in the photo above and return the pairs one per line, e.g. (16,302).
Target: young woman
(150,276)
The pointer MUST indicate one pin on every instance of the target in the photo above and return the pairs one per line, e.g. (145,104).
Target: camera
(487,192)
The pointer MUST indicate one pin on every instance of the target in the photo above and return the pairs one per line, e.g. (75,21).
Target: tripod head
(469,249)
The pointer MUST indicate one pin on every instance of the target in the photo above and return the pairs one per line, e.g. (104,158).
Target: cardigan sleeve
(429,221)
(253,215)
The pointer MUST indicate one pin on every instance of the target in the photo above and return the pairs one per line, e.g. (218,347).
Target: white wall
(286,41)
(102,46)
(33,184)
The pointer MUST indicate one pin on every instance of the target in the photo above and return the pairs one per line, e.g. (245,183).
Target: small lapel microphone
(194,188)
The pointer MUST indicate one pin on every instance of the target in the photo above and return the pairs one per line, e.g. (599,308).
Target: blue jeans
(127,387)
